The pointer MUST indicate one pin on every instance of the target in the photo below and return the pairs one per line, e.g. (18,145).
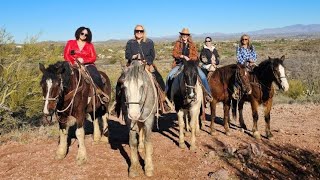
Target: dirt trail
(294,153)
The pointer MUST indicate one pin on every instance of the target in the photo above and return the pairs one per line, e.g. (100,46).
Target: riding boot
(104,97)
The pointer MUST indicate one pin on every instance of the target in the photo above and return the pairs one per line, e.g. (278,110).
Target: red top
(88,54)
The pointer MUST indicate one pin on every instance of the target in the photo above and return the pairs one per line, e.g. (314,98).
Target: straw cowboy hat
(185,31)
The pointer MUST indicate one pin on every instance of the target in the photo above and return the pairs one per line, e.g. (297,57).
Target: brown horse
(221,83)
(261,79)
(67,91)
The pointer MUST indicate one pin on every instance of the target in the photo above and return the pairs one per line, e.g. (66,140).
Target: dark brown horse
(221,83)
(68,91)
(261,79)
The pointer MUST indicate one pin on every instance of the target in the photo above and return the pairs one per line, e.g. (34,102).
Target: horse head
(242,76)
(135,89)
(190,76)
(52,84)
(279,74)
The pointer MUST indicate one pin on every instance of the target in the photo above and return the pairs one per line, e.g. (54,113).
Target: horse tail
(234,105)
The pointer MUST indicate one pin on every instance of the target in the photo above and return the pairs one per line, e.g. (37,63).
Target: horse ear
(269,57)
(42,68)
(282,58)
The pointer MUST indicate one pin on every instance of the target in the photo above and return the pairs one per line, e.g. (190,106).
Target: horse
(139,112)
(261,79)
(221,83)
(186,93)
(68,92)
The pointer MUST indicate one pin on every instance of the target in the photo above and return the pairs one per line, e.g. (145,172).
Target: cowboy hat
(185,31)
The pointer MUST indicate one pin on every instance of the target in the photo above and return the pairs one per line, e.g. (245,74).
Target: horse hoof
(81,160)
(242,130)
(193,148)
(182,145)
(133,173)
(256,135)
(213,133)
(104,139)
(95,142)
(270,136)
(59,156)
(198,134)
(228,134)
(149,173)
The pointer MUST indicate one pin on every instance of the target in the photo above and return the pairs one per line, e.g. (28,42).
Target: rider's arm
(67,52)
(150,55)
(217,56)
(91,55)
(240,56)
(253,54)
(176,53)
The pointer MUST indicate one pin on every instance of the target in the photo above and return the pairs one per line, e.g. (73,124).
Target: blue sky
(115,19)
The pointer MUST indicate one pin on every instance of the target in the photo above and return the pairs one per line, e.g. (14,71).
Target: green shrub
(296,89)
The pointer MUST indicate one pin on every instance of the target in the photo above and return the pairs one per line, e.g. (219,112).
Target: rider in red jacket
(82,49)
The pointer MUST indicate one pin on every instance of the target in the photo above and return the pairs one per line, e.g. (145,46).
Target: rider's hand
(80,60)
(135,56)
(186,58)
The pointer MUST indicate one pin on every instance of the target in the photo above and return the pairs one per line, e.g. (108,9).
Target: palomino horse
(221,83)
(139,111)
(67,90)
(186,92)
(261,79)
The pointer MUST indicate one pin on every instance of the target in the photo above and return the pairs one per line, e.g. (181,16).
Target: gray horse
(139,112)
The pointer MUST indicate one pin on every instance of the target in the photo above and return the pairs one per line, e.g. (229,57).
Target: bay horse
(139,111)
(261,80)
(221,83)
(186,93)
(68,92)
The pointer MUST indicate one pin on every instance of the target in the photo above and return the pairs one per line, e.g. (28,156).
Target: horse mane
(59,69)
(225,71)
(134,70)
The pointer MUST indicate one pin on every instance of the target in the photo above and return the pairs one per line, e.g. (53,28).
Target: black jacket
(208,54)
(146,50)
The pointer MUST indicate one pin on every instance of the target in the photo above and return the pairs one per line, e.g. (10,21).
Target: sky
(57,20)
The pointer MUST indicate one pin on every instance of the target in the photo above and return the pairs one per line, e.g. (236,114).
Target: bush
(296,89)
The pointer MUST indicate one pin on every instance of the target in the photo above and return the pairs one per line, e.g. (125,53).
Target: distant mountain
(293,31)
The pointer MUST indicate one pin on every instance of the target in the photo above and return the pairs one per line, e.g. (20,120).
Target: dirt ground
(294,153)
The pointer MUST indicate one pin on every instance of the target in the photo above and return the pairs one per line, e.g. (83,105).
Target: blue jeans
(203,78)
(170,76)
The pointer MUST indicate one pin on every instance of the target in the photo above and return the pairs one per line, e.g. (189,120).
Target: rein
(75,92)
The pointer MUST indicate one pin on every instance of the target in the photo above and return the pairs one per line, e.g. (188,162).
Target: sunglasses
(138,31)
(208,41)
(83,34)
(244,39)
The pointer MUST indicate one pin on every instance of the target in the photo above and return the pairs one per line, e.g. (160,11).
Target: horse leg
(181,129)
(141,139)
(267,118)
(255,116)
(241,120)
(149,149)
(105,132)
(213,115)
(96,131)
(63,145)
(198,125)
(82,153)
(133,142)
(194,114)
(226,109)
(186,118)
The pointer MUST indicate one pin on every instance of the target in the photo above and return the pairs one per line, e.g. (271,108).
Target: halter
(142,102)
